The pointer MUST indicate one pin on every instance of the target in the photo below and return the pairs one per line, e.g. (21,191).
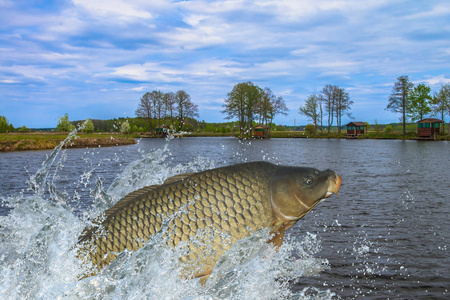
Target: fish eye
(308,180)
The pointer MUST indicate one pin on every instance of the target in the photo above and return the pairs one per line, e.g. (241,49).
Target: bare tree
(441,104)
(329,97)
(145,109)
(169,103)
(185,107)
(157,100)
(278,107)
(265,105)
(342,105)
(320,101)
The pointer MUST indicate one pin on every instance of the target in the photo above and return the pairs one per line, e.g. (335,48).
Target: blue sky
(95,59)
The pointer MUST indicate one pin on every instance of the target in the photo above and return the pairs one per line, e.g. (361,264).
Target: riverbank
(332,135)
(45,141)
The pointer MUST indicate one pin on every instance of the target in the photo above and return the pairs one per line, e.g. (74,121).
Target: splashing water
(38,237)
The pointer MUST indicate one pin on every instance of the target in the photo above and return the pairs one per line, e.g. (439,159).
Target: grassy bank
(43,141)
(343,135)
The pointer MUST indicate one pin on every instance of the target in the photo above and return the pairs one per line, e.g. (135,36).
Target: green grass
(42,141)
(53,136)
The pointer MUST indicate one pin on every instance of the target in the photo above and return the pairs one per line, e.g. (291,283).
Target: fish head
(296,190)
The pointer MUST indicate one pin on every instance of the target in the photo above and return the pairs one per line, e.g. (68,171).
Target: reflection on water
(385,236)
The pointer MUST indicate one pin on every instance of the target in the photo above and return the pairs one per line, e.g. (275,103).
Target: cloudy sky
(95,59)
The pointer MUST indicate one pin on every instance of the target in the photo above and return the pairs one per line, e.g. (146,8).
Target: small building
(428,127)
(355,129)
(261,131)
(162,130)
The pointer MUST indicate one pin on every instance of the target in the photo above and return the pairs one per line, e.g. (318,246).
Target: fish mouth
(334,186)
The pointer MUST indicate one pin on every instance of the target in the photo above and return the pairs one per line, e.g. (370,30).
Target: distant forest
(248,105)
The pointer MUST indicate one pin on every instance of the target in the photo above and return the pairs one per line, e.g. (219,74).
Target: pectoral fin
(204,275)
(277,234)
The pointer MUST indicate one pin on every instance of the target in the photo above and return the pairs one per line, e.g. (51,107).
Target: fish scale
(227,204)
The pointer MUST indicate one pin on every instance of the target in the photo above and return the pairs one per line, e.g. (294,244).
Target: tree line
(5,126)
(248,103)
(169,109)
(416,102)
(330,104)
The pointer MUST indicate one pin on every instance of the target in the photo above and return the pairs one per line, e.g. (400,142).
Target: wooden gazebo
(162,130)
(261,131)
(355,129)
(428,127)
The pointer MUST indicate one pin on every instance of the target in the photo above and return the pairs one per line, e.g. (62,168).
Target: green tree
(125,128)
(88,126)
(377,127)
(388,128)
(5,126)
(311,109)
(440,103)
(310,129)
(253,97)
(399,99)
(234,106)
(64,124)
(419,102)
(24,129)
(242,103)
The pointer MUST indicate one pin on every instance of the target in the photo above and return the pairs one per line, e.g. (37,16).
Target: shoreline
(48,141)
(10,142)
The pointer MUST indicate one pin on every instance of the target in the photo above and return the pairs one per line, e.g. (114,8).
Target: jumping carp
(209,211)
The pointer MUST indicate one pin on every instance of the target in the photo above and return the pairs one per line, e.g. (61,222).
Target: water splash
(37,239)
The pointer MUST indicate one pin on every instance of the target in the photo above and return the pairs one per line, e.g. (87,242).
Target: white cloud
(194,38)
(122,9)
(434,81)
(139,88)
(213,7)
(299,10)
(194,19)
(215,68)
(437,10)
(9,81)
(206,47)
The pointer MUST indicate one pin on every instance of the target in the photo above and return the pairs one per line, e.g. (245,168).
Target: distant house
(162,130)
(261,131)
(355,129)
(428,127)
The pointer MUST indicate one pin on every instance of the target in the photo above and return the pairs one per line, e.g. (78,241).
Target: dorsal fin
(133,196)
(145,190)
(178,177)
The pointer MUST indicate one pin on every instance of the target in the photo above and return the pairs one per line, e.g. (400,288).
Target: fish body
(209,211)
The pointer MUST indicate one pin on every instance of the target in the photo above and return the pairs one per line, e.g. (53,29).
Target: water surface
(385,236)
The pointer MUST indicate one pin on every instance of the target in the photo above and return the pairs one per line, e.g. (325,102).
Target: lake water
(386,235)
